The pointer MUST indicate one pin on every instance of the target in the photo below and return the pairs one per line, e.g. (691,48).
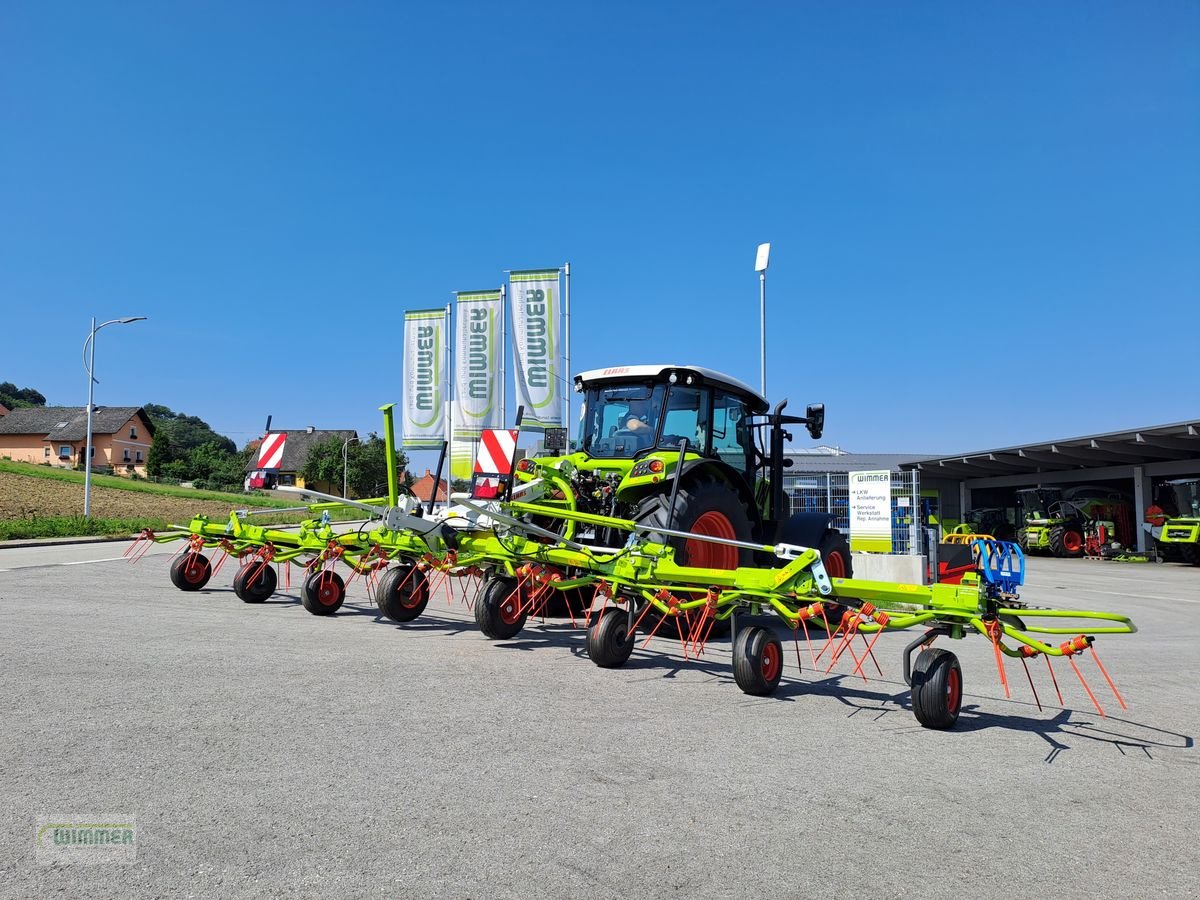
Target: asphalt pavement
(266,751)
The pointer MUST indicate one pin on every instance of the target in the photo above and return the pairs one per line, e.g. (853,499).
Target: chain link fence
(829,492)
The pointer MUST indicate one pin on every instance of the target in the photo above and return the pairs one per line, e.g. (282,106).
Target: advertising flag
(425,382)
(537,346)
(477,363)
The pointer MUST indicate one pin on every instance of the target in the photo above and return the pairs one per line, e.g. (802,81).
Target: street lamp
(346,464)
(760,266)
(89,366)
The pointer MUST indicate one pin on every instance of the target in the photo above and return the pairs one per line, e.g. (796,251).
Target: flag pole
(448,421)
(569,387)
(503,354)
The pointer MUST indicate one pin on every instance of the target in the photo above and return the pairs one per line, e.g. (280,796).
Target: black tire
(323,593)
(1023,540)
(1066,541)
(498,613)
(936,688)
(258,589)
(835,554)
(1168,552)
(402,593)
(1190,553)
(609,643)
(697,499)
(757,660)
(191,571)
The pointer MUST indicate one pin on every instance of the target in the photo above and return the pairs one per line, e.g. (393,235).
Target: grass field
(38,501)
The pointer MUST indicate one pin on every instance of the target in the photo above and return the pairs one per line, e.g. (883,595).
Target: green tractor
(1180,535)
(1080,520)
(688,449)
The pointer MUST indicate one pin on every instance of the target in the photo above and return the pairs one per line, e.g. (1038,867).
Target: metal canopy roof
(1136,447)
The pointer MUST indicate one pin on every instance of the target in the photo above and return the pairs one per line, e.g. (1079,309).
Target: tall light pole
(346,465)
(89,365)
(760,266)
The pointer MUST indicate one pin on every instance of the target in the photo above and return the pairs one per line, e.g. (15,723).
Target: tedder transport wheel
(608,640)
(757,660)
(323,593)
(936,688)
(498,611)
(402,593)
(260,588)
(191,572)
(1067,541)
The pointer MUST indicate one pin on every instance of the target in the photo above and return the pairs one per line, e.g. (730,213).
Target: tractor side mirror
(815,419)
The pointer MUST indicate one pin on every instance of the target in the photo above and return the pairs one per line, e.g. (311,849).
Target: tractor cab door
(686,416)
(732,438)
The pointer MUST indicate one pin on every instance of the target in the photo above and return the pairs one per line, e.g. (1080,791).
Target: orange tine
(712,623)
(831,632)
(1031,687)
(808,640)
(869,653)
(1104,672)
(796,641)
(1083,681)
(679,629)
(1055,680)
(649,606)
(655,629)
(1000,666)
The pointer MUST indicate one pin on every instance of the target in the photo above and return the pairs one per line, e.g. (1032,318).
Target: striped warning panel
(270,452)
(493,462)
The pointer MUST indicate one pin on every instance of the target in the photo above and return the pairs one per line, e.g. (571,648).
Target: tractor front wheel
(323,593)
(757,660)
(936,688)
(191,571)
(498,611)
(402,593)
(258,588)
(609,642)
(1190,554)
(1023,540)
(1066,541)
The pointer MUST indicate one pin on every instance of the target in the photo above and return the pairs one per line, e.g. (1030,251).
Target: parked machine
(1085,520)
(1180,534)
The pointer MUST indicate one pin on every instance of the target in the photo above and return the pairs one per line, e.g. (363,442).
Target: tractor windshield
(1187,498)
(1036,502)
(618,420)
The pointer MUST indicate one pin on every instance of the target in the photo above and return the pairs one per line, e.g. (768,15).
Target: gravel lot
(265,751)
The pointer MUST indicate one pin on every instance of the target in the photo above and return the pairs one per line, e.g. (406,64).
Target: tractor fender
(805,529)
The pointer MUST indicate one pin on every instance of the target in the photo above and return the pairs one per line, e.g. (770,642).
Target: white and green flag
(425,382)
(477,363)
(537,346)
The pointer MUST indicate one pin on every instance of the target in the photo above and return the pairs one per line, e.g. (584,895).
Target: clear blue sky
(985,217)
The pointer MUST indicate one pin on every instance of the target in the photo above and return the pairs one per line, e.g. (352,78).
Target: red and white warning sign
(270,451)
(494,461)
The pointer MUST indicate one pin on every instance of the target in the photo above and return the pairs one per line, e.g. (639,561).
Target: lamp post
(89,365)
(346,465)
(760,266)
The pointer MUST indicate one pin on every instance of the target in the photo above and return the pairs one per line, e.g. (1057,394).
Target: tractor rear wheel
(609,642)
(757,660)
(323,593)
(936,688)
(1066,541)
(1023,540)
(1190,554)
(498,611)
(402,594)
(191,572)
(708,507)
(258,588)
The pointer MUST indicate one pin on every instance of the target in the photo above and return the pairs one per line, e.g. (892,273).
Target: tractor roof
(661,373)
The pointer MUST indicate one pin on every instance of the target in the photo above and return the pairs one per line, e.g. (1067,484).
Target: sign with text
(871,511)
(537,346)
(477,350)
(424,378)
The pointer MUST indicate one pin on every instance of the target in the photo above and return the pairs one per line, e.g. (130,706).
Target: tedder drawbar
(666,520)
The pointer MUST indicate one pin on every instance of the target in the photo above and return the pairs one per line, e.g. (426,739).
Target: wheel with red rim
(402,593)
(757,660)
(500,610)
(1066,541)
(936,688)
(255,582)
(191,571)
(323,593)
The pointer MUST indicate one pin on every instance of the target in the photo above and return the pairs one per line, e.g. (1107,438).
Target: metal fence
(829,492)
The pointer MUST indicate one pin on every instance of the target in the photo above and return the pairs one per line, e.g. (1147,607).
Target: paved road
(265,751)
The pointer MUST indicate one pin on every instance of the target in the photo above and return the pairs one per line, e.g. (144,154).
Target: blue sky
(985,217)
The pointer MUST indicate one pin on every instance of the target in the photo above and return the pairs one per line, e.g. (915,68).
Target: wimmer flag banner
(477,363)
(425,381)
(537,346)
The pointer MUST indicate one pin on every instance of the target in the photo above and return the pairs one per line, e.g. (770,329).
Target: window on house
(133,432)
(126,454)
(92,454)
(64,452)
(46,451)
(139,455)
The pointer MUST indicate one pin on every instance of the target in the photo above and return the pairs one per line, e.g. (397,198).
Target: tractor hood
(663,372)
